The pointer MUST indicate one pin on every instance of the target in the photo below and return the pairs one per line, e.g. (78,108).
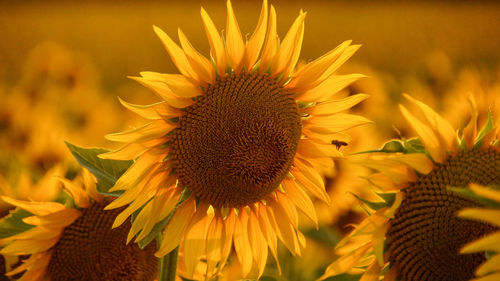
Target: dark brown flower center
(90,250)
(425,236)
(237,142)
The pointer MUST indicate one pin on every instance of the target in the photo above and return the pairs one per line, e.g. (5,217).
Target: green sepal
(403,146)
(487,128)
(159,226)
(106,171)
(489,254)
(387,197)
(13,224)
(468,193)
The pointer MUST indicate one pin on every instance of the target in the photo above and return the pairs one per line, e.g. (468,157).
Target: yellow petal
(287,207)
(491,277)
(284,228)
(235,48)
(194,238)
(216,46)
(59,219)
(148,132)
(417,161)
(311,180)
(176,53)
(181,86)
(346,262)
(161,89)
(258,242)
(335,106)
(287,55)
(271,43)
(491,216)
(372,273)
(79,195)
(241,243)
(487,243)
(36,233)
(36,208)
(145,214)
(254,45)
(489,266)
(347,54)
(269,233)
(300,199)
(308,148)
(327,88)
(213,244)
(444,130)
(426,136)
(144,166)
(132,150)
(29,247)
(334,123)
(153,111)
(486,192)
(308,76)
(227,236)
(199,63)
(173,232)
(138,202)
(90,186)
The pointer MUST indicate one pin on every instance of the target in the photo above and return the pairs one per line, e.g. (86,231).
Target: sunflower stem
(168,266)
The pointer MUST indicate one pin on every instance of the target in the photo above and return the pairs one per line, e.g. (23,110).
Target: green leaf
(12,223)
(388,200)
(413,146)
(106,171)
(159,226)
(487,128)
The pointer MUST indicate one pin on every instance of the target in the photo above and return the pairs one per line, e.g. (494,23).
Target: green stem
(168,266)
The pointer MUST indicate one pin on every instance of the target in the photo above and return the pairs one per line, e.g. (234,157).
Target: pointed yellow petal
(486,192)
(491,277)
(132,150)
(36,208)
(286,206)
(308,76)
(487,243)
(442,128)
(490,266)
(144,166)
(235,48)
(283,228)
(334,123)
(142,199)
(491,216)
(199,63)
(176,53)
(58,219)
(300,199)
(288,53)
(142,218)
(255,43)
(28,247)
(335,106)
(328,88)
(271,44)
(79,195)
(161,89)
(310,180)
(308,148)
(372,273)
(90,186)
(346,262)
(227,236)
(426,136)
(150,131)
(269,233)
(181,86)
(241,243)
(347,54)
(194,238)
(258,242)
(213,245)
(172,234)
(216,46)
(417,161)
(152,111)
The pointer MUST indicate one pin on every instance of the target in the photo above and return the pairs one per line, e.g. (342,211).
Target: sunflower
(244,132)
(64,242)
(413,233)
(489,270)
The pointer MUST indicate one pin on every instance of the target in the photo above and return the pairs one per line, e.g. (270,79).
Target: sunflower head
(63,242)
(243,132)
(413,231)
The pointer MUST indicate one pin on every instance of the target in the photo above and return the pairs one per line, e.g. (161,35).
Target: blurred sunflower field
(248,140)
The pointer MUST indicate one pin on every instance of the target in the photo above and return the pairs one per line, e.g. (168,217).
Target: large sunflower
(489,270)
(413,232)
(243,131)
(64,242)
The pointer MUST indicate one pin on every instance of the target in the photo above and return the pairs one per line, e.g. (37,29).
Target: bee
(338,143)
